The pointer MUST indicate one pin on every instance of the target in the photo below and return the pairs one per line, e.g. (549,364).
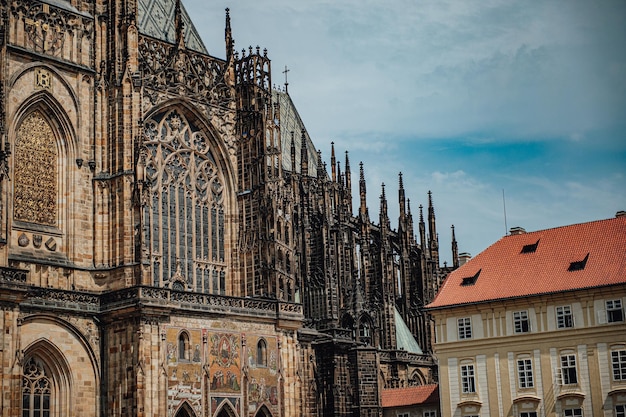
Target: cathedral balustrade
(206,303)
(51,298)
(12,275)
(404,356)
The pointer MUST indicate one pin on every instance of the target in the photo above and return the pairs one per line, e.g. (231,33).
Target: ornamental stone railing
(12,275)
(198,302)
(403,355)
(144,297)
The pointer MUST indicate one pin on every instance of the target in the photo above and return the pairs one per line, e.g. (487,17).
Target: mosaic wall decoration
(224,362)
(184,368)
(263,373)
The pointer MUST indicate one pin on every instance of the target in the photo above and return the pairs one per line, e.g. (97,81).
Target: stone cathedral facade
(171,242)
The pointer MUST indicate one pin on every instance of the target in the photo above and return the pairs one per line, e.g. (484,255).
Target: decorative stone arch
(190,191)
(34,66)
(43,164)
(185,410)
(226,410)
(365,332)
(70,328)
(417,378)
(263,411)
(46,372)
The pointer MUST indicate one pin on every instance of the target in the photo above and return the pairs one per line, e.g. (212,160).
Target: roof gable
(547,261)
(156,18)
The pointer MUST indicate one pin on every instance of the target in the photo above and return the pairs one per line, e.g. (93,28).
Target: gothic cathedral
(171,242)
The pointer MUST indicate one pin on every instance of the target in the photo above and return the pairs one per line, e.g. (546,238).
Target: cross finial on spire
(286,82)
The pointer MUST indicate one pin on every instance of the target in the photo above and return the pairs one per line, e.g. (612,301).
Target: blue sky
(466,98)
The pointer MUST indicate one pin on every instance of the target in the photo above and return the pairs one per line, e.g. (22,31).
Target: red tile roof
(421,394)
(503,271)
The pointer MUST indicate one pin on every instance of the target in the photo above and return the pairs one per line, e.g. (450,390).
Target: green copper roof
(404,337)
(156,18)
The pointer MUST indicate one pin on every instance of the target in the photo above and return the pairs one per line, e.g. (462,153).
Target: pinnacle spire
(228,36)
(401,198)
(179,25)
(455,250)
(362,192)
(333,161)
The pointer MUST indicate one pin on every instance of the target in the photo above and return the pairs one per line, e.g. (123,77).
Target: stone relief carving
(48,28)
(167,69)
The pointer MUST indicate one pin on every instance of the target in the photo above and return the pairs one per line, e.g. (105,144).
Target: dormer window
(530,248)
(578,265)
(470,280)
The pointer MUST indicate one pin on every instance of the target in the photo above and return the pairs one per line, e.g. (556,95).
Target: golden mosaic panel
(36,172)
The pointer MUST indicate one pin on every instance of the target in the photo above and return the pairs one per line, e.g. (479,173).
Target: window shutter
(601,316)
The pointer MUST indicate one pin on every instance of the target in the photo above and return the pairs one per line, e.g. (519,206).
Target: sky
(495,106)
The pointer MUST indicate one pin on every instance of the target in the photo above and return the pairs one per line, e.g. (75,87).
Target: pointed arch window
(36,390)
(186,213)
(36,172)
(184,346)
(261,353)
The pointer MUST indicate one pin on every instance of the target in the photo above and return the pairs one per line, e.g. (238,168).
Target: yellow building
(534,326)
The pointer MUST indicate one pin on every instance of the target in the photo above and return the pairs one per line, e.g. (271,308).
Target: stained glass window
(186,213)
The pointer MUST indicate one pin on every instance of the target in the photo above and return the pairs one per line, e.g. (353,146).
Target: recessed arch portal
(46,381)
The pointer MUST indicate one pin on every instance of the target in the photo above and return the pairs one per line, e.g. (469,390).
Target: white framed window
(618,363)
(620,411)
(403,415)
(569,374)
(614,311)
(573,412)
(468,380)
(564,318)
(521,322)
(528,414)
(525,373)
(465,328)
(430,413)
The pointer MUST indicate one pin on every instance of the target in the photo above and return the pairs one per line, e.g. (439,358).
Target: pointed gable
(156,18)
(562,259)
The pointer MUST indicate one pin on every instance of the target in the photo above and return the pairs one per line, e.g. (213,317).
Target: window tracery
(186,214)
(36,390)
(36,186)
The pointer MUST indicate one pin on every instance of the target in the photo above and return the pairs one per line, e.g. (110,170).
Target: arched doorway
(263,412)
(185,410)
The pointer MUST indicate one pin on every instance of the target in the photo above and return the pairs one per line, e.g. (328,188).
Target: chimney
(620,213)
(464,257)
(517,230)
